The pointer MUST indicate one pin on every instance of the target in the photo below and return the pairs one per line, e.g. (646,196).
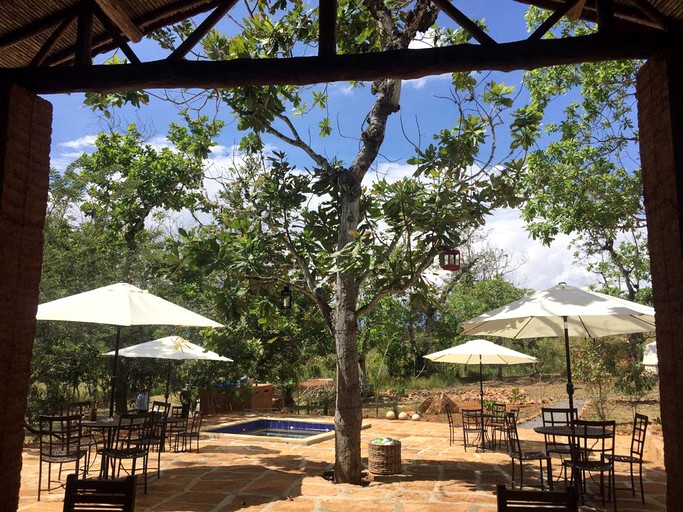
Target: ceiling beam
(464,22)
(400,64)
(186,46)
(118,16)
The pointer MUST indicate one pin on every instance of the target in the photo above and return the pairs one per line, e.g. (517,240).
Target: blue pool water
(275,428)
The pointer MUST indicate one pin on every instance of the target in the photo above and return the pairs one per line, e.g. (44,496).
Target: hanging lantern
(286,296)
(450,259)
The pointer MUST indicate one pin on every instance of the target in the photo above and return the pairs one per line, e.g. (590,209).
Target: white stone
(391,415)
(416,417)
(403,416)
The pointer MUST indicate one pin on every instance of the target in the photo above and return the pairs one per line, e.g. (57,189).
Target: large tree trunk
(348,414)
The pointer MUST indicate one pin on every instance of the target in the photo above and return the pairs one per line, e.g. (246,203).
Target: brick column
(660,117)
(25,130)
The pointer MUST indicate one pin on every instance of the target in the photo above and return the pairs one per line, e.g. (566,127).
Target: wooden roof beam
(605,12)
(36,28)
(463,21)
(327,37)
(118,38)
(551,20)
(120,19)
(52,40)
(186,46)
(84,35)
(398,64)
(655,15)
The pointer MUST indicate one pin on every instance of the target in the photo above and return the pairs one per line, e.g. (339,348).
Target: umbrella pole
(168,381)
(570,384)
(481,399)
(116,366)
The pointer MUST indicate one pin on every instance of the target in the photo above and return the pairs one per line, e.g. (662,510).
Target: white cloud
(544,266)
(81,144)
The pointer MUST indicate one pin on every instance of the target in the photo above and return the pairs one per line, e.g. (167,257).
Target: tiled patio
(229,474)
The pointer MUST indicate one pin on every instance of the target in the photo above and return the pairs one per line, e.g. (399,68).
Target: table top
(566,430)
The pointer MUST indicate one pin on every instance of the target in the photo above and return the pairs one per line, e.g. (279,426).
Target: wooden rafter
(327,39)
(118,17)
(40,26)
(656,16)
(186,46)
(118,39)
(605,11)
(400,64)
(551,20)
(52,40)
(463,21)
(84,35)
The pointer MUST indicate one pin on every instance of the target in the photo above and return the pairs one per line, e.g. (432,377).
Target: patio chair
(89,440)
(59,443)
(516,454)
(640,422)
(131,444)
(526,501)
(472,426)
(192,432)
(593,451)
(99,495)
(177,423)
(157,432)
(451,425)
(498,424)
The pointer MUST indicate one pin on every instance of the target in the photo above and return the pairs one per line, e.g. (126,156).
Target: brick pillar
(25,130)
(660,117)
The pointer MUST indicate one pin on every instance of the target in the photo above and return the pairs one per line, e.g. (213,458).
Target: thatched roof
(44,32)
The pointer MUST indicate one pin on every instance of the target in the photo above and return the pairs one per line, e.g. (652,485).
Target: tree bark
(348,412)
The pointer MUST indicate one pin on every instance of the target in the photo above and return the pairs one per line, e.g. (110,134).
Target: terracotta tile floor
(230,474)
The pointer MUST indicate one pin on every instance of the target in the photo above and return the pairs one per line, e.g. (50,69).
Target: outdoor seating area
(229,473)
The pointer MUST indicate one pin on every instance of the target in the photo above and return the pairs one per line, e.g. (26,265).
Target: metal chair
(472,426)
(60,443)
(526,501)
(130,443)
(498,424)
(640,422)
(451,425)
(516,454)
(592,452)
(554,444)
(99,495)
(192,432)
(89,439)
(157,432)
(177,424)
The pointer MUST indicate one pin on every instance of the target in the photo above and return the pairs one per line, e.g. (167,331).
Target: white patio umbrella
(171,348)
(480,352)
(120,304)
(564,311)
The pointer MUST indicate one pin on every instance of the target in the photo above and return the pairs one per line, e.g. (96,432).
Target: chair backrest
(640,422)
(70,408)
(133,430)
(594,439)
(176,411)
(514,445)
(100,495)
(529,501)
(557,417)
(60,436)
(196,423)
(472,419)
(449,415)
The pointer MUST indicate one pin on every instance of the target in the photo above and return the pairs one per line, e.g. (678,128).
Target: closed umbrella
(120,304)
(171,348)
(564,311)
(480,352)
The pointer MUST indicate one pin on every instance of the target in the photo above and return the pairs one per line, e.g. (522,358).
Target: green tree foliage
(323,229)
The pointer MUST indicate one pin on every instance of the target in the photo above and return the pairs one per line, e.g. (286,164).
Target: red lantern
(450,259)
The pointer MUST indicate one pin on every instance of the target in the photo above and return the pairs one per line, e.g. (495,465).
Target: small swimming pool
(280,430)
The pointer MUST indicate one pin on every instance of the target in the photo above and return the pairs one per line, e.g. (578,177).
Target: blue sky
(422,113)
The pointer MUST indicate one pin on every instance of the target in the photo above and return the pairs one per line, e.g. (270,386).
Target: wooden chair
(99,495)
(60,443)
(640,423)
(451,425)
(516,454)
(534,501)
